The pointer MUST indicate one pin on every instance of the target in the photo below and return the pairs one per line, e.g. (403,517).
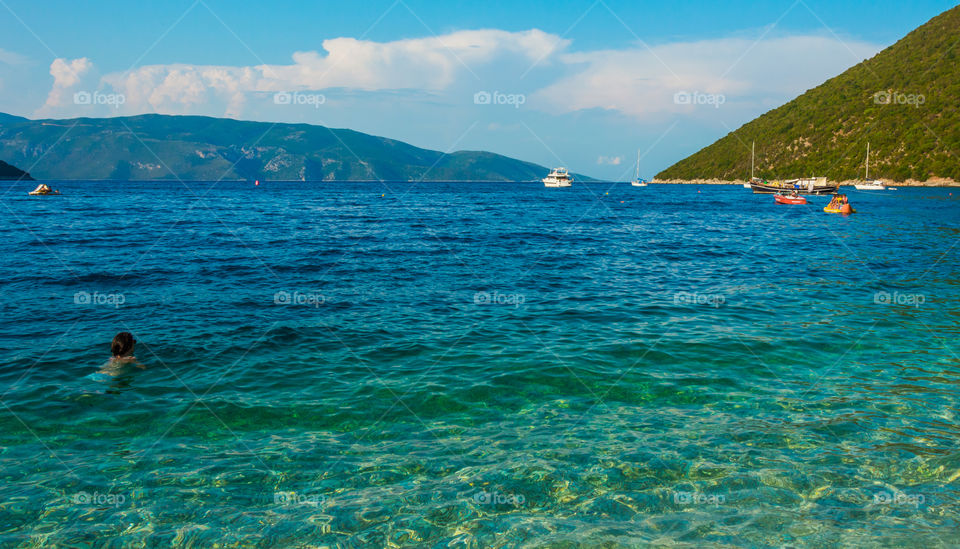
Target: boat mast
(753,148)
(637,178)
(868,161)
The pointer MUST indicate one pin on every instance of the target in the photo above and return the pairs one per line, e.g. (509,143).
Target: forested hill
(905,101)
(12,172)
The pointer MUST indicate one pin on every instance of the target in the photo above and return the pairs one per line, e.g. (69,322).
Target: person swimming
(121,360)
(122,346)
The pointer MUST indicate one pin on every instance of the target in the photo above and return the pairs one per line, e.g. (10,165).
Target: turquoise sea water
(477,365)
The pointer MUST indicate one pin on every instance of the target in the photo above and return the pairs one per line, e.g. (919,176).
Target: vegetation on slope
(905,102)
(12,172)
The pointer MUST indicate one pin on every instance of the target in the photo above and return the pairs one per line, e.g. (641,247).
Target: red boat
(783,199)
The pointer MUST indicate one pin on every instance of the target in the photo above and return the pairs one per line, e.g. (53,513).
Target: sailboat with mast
(637,182)
(803,185)
(869,184)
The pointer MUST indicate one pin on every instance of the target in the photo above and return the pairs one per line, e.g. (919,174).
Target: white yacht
(637,182)
(558,178)
(870,184)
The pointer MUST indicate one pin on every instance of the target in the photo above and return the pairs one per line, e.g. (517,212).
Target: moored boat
(785,199)
(558,177)
(637,182)
(807,186)
(869,184)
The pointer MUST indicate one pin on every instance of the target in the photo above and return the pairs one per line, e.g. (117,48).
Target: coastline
(935,182)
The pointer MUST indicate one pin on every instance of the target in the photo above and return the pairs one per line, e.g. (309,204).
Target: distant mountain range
(157,146)
(905,102)
(12,172)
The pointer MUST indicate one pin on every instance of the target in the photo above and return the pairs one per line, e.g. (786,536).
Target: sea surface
(477,365)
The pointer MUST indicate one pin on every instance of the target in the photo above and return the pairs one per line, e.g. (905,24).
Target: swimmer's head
(122,344)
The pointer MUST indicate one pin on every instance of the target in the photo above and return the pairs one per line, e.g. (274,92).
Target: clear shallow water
(489,365)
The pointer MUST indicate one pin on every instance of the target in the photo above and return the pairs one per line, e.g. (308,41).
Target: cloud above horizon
(637,81)
(67,74)
(641,82)
(430,65)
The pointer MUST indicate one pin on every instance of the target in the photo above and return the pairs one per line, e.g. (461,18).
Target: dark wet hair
(122,344)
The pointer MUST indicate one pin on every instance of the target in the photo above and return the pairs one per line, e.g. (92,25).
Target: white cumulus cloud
(427,64)
(642,82)
(737,76)
(66,75)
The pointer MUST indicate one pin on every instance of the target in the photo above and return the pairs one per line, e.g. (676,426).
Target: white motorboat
(558,177)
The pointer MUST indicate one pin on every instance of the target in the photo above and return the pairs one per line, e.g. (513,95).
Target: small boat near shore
(637,182)
(787,199)
(869,184)
(558,177)
(806,186)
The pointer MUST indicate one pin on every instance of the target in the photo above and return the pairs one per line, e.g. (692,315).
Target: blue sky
(582,84)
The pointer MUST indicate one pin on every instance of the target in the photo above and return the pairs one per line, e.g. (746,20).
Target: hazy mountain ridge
(157,146)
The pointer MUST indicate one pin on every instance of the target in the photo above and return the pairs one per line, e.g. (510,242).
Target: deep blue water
(477,365)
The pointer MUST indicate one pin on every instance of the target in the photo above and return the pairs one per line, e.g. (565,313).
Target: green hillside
(202,148)
(905,101)
(8,172)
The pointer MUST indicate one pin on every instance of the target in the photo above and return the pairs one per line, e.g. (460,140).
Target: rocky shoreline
(935,182)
